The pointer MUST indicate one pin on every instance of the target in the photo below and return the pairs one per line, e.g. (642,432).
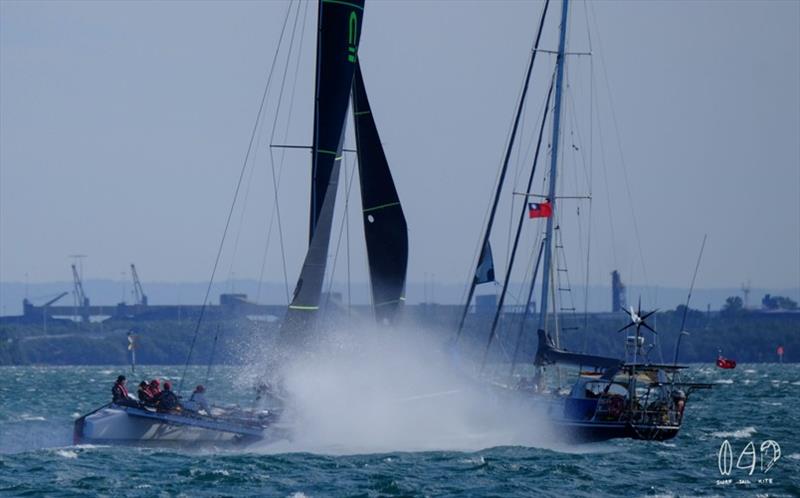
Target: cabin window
(596,389)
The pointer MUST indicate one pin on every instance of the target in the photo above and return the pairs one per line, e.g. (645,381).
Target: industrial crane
(141,298)
(48,303)
(80,296)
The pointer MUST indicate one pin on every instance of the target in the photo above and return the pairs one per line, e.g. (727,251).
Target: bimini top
(549,354)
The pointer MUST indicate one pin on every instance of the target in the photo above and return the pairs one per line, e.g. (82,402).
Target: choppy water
(753,403)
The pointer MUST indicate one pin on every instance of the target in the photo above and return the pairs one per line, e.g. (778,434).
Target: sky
(124,127)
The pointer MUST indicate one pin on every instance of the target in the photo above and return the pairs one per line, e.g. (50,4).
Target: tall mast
(548,248)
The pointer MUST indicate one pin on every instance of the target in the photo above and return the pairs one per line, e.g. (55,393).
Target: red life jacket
(123,391)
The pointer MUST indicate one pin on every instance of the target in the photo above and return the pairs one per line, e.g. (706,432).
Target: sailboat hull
(124,425)
(588,432)
(568,425)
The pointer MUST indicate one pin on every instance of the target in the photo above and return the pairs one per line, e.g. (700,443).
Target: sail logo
(352,35)
(749,459)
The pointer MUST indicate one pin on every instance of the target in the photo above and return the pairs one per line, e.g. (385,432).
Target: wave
(741,433)
(66,453)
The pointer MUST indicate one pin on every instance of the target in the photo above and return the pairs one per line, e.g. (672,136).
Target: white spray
(379,390)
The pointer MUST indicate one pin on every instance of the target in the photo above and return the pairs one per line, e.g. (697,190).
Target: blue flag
(485,271)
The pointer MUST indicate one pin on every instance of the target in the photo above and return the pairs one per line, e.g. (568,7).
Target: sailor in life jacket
(145,398)
(119,393)
(167,400)
(154,388)
(198,401)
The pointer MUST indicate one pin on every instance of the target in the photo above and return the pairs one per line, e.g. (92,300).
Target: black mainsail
(385,228)
(339,31)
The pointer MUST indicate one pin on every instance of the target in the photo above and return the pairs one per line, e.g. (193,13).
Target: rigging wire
(504,324)
(621,155)
(276,185)
(257,147)
(213,355)
(503,170)
(591,182)
(233,202)
(272,156)
(576,131)
(510,266)
(343,223)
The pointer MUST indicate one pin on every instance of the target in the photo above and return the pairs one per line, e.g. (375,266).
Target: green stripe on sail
(361,113)
(303,308)
(340,2)
(382,206)
(329,152)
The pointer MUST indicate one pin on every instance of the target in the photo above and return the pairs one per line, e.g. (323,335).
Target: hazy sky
(123,127)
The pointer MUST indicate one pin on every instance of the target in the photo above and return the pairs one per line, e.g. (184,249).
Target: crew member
(145,398)
(154,388)
(167,401)
(119,393)
(197,401)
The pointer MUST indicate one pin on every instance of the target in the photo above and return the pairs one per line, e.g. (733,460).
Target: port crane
(81,300)
(138,292)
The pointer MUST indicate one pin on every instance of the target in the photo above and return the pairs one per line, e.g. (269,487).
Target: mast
(551,195)
(485,247)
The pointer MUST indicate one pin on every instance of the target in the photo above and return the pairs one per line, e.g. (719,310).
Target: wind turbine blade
(626,327)
(648,314)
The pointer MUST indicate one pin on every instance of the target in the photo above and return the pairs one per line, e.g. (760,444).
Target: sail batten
(385,228)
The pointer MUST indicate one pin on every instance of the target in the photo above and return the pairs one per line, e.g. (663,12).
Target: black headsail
(337,47)
(385,227)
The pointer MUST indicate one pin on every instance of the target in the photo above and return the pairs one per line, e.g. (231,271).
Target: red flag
(780,350)
(540,209)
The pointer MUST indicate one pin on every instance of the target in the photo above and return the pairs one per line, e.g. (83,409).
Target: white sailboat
(339,82)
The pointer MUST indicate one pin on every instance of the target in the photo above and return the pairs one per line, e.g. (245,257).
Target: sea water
(755,403)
